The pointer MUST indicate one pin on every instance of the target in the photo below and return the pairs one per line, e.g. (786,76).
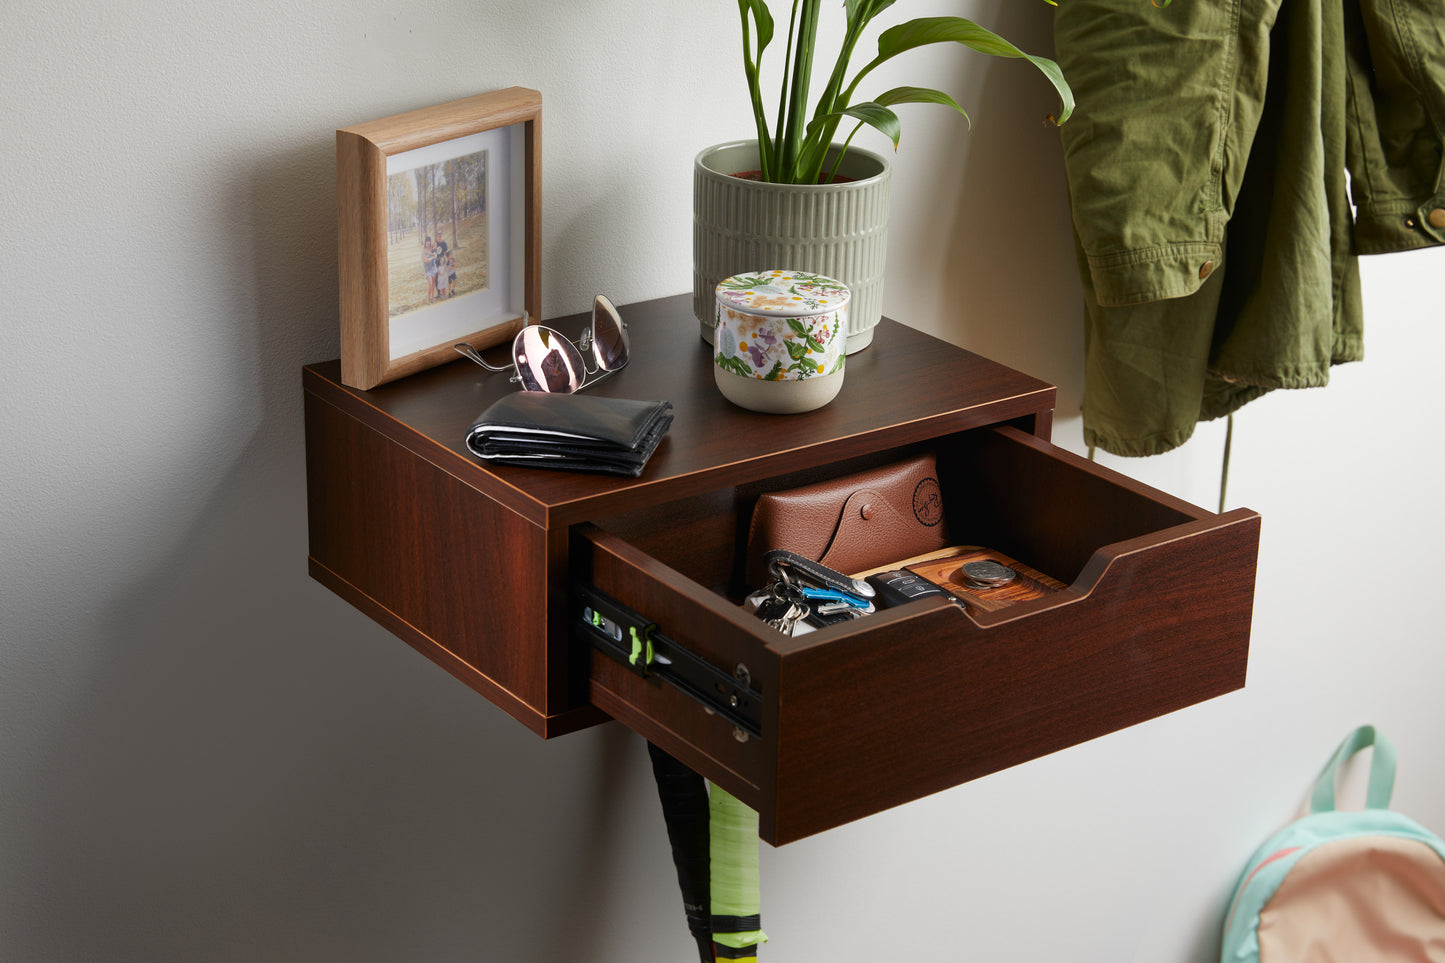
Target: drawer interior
(1002,488)
(1044,506)
(880,710)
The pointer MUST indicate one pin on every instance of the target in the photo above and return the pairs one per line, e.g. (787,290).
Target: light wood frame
(362,152)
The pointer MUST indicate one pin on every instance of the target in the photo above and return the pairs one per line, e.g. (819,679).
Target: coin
(986,574)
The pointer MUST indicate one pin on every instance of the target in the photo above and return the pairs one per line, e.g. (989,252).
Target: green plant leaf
(930,30)
(927,30)
(918,95)
(762,17)
(868,9)
(735,365)
(873,114)
(876,114)
(742,282)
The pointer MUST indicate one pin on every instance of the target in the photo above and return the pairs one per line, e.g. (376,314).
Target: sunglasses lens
(547,361)
(609,335)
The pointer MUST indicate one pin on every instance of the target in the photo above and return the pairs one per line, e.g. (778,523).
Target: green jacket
(1206,163)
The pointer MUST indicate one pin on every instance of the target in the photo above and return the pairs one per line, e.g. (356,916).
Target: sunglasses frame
(593,369)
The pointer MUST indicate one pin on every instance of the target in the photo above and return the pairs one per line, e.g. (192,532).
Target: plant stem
(842,151)
(815,152)
(790,136)
(765,142)
(751,71)
(774,172)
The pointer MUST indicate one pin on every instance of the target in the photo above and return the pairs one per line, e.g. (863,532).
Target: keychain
(803,595)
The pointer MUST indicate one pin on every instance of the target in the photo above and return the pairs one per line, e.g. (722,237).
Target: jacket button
(1437,218)
(1205,269)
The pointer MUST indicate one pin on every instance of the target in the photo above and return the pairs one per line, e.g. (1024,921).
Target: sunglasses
(544,360)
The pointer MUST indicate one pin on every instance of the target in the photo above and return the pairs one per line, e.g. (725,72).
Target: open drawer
(862,716)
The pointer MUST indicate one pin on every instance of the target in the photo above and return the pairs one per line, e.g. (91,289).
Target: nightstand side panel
(455,574)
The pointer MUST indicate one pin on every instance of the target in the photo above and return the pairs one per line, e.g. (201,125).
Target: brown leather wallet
(853,523)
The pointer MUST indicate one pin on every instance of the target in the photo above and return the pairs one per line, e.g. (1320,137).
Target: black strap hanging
(683,794)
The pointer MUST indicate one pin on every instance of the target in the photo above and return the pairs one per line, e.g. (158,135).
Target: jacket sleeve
(1395,64)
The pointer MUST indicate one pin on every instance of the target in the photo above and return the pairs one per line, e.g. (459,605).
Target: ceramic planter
(838,230)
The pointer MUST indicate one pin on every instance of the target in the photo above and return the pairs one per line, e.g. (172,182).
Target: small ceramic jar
(780,340)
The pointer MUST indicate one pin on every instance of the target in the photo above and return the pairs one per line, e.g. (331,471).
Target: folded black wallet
(570,432)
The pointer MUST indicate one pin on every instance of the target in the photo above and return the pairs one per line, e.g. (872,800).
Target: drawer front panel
(906,709)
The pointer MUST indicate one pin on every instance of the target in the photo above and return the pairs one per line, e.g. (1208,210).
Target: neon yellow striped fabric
(733,827)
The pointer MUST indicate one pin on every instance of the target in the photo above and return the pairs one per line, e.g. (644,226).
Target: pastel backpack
(1343,887)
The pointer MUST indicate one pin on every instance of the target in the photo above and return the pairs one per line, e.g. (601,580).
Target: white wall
(207,757)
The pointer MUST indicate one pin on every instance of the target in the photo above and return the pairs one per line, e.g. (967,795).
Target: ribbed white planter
(839,230)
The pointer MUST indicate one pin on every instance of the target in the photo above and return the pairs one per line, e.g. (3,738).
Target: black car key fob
(899,586)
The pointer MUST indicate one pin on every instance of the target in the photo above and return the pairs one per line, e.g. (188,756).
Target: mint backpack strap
(1382,771)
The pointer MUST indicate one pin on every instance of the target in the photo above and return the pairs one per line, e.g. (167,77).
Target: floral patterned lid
(783,294)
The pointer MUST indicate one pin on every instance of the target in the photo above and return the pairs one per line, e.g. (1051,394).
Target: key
(776,611)
(779,605)
(900,585)
(834,597)
(782,606)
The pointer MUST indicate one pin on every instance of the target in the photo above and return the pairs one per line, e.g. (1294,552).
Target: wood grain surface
(945,569)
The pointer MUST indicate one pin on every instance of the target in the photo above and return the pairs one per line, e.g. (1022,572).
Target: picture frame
(439,232)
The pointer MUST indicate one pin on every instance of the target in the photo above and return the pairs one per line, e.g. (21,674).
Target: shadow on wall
(1008,275)
(252,770)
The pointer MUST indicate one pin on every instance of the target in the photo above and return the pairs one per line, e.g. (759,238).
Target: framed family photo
(439,232)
